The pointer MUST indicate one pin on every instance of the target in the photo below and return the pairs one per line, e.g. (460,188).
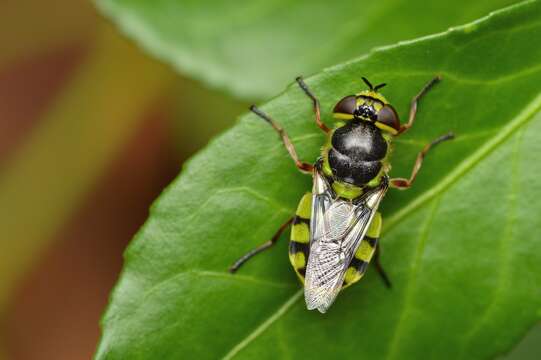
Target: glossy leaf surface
(461,246)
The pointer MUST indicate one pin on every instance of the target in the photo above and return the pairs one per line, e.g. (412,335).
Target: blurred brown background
(91,130)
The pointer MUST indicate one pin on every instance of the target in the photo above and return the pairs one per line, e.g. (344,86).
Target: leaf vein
(419,250)
(503,273)
(264,325)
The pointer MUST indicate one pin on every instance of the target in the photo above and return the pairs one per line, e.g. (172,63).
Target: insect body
(336,228)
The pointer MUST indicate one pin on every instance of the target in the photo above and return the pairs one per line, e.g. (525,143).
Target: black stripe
(359,264)
(298,220)
(370,98)
(295,247)
(372,241)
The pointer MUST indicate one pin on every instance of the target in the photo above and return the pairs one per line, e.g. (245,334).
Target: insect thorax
(356,154)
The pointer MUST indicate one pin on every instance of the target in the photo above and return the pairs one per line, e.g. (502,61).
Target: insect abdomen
(356,152)
(364,253)
(299,244)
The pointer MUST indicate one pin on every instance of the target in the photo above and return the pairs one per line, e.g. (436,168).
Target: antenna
(377,87)
(367,83)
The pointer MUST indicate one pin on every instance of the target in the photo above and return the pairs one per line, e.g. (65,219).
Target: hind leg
(299,244)
(266,245)
(379,268)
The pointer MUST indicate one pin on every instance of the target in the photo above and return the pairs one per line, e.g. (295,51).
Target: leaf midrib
(408,293)
(520,120)
(505,264)
(264,325)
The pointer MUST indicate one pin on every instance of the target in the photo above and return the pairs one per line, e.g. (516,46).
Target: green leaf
(461,246)
(253,47)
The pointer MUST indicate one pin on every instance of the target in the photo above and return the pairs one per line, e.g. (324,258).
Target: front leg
(414,103)
(315,101)
(302,166)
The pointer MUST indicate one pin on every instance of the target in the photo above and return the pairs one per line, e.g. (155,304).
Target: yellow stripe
(342,116)
(297,260)
(351,276)
(345,190)
(375,181)
(375,95)
(305,206)
(374,230)
(300,233)
(365,251)
(326,166)
(387,128)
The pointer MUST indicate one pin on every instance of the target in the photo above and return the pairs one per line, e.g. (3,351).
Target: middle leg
(379,268)
(402,183)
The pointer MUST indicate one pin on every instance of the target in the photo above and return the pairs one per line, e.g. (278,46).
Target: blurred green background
(91,130)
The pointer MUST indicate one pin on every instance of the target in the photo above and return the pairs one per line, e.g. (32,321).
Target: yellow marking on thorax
(345,190)
(326,167)
(376,180)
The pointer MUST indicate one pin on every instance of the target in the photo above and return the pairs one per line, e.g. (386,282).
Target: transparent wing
(336,229)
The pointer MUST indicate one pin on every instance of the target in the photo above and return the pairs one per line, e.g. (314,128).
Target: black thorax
(357,150)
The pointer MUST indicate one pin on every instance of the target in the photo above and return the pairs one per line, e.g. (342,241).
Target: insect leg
(302,166)
(415,101)
(402,183)
(260,248)
(317,112)
(379,268)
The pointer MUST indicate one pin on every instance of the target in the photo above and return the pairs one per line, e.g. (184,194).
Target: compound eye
(345,108)
(388,117)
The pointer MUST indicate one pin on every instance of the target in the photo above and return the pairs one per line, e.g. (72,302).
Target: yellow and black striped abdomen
(299,245)
(364,253)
